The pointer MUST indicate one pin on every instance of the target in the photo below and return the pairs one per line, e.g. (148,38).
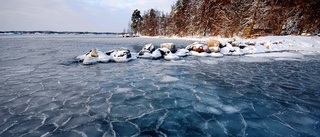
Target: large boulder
(93,56)
(199,47)
(170,46)
(182,52)
(146,51)
(124,52)
(213,45)
(168,55)
(122,55)
(149,48)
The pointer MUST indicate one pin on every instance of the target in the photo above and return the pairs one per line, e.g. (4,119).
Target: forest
(228,18)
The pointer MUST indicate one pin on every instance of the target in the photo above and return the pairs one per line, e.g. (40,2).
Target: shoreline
(303,44)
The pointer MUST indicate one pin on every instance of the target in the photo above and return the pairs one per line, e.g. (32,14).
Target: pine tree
(136,21)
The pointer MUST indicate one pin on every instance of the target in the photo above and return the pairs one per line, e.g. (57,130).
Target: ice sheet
(45,91)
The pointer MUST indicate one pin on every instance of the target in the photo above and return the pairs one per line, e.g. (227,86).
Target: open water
(44,91)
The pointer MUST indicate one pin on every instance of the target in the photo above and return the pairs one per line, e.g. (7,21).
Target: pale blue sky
(73,15)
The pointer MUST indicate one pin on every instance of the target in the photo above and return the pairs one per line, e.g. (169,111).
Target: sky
(73,15)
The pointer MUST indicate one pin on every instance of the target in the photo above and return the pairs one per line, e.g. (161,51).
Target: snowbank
(304,45)
(269,48)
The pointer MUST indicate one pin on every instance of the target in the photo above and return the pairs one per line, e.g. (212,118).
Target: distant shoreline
(198,38)
(57,33)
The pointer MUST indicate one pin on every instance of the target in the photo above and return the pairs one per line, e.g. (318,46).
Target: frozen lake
(44,91)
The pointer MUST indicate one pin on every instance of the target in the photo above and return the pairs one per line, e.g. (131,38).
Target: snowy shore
(264,46)
(274,47)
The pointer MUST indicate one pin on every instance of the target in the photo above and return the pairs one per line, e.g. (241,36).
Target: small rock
(268,47)
(251,43)
(235,44)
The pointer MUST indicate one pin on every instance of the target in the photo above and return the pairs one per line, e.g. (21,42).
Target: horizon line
(53,31)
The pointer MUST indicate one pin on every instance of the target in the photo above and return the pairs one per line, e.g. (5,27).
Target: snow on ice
(276,47)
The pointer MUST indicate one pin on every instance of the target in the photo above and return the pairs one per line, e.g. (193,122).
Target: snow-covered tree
(150,23)
(228,18)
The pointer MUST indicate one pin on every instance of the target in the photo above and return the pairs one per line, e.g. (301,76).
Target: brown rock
(200,48)
(94,53)
(213,43)
(251,43)
(268,47)
(235,44)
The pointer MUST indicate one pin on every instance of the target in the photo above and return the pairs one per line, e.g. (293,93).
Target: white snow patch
(169,79)
(251,59)
(214,111)
(229,109)
(213,62)
(123,90)
(277,55)
(304,44)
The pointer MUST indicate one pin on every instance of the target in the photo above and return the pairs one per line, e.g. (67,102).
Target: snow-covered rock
(145,55)
(81,57)
(227,49)
(168,55)
(102,57)
(147,48)
(201,54)
(199,47)
(215,49)
(249,50)
(122,55)
(237,52)
(170,46)
(146,51)
(93,56)
(182,52)
(157,54)
(213,43)
(259,47)
(89,60)
(171,56)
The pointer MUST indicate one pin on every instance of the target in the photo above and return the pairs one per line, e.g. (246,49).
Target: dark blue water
(44,91)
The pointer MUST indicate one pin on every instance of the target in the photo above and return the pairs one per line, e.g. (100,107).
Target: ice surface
(169,79)
(45,91)
(277,55)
